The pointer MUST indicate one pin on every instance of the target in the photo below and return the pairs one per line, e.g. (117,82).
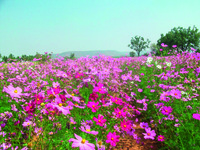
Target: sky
(30,26)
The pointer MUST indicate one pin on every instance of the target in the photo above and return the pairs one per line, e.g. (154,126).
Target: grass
(64,100)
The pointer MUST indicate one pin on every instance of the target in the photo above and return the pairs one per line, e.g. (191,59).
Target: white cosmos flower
(182,92)
(149,59)
(159,66)
(168,64)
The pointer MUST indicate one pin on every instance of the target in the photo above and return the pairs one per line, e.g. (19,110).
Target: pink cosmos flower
(93,96)
(27,123)
(100,121)
(30,108)
(166,110)
(174,46)
(112,138)
(163,45)
(100,145)
(125,125)
(5,146)
(196,116)
(38,99)
(14,92)
(140,90)
(124,77)
(175,93)
(116,100)
(144,125)
(83,144)
(93,106)
(38,131)
(86,129)
(150,134)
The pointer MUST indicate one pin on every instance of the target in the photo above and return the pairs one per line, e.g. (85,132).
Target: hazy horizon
(27,27)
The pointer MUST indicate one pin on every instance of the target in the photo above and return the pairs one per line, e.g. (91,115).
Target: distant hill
(78,54)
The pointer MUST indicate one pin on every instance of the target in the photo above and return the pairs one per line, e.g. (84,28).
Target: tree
(5,59)
(183,38)
(154,48)
(132,54)
(138,44)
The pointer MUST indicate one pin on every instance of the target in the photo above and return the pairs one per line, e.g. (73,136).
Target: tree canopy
(138,44)
(183,38)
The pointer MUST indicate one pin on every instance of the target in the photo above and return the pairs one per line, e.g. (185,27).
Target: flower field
(88,104)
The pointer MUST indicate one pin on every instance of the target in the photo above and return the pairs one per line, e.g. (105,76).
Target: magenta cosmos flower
(93,106)
(126,125)
(161,138)
(119,113)
(196,116)
(112,138)
(100,89)
(166,110)
(81,143)
(150,134)
(100,121)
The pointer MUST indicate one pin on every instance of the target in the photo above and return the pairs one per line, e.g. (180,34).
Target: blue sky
(30,26)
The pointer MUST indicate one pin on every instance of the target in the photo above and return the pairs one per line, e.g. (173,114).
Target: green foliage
(138,44)
(72,56)
(86,91)
(11,58)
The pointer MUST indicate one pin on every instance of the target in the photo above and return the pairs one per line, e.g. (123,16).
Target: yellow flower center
(100,142)
(99,120)
(125,126)
(93,106)
(88,130)
(28,123)
(15,91)
(72,94)
(38,99)
(119,112)
(112,138)
(99,89)
(161,137)
(148,134)
(83,141)
(60,104)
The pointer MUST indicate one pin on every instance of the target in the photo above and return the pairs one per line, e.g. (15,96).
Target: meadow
(88,103)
